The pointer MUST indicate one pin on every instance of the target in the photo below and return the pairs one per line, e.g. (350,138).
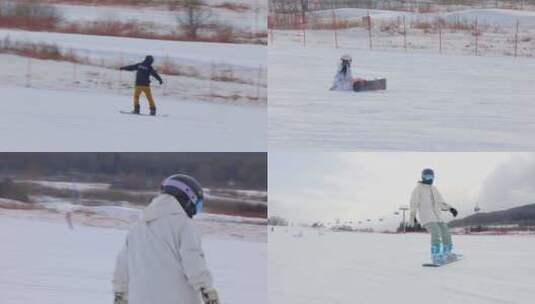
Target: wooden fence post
(211,79)
(370,29)
(439,37)
(404,34)
(258,78)
(334,28)
(74,72)
(476,32)
(516,38)
(29,73)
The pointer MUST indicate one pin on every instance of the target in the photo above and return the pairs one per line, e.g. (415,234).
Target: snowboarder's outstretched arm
(156,75)
(120,276)
(445,206)
(132,67)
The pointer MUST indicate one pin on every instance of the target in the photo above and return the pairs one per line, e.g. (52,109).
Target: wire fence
(91,70)
(434,34)
(421,6)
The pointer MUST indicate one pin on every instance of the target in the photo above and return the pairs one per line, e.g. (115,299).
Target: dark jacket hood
(148,60)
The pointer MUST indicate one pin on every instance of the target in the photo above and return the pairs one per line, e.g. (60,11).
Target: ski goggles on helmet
(428,176)
(199,206)
(173,186)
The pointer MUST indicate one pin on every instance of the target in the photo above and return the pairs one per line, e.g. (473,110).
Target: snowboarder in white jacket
(162,260)
(428,204)
(344,79)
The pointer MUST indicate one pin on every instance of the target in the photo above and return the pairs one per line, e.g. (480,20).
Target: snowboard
(369,85)
(459,258)
(143,114)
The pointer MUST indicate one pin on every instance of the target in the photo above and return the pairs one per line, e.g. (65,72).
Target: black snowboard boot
(153,111)
(136,109)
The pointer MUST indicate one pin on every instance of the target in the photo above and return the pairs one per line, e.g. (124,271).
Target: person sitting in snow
(344,75)
(162,260)
(428,203)
(144,71)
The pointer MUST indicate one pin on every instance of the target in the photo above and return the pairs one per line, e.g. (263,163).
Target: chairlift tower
(404,208)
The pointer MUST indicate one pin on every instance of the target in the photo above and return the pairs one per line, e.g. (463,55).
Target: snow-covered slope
(250,56)
(491,17)
(251,20)
(432,102)
(44,262)
(316,268)
(496,28)
(58,120)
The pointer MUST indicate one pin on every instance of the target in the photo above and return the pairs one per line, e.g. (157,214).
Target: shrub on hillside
(11,190)
(29,15)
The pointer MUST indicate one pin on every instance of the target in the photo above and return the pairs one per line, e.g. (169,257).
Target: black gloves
(161,82)
(120,298)
(453,212)
(209,296)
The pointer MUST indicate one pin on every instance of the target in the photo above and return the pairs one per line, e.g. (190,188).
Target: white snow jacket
(162,261)
(343,81)
(428,203)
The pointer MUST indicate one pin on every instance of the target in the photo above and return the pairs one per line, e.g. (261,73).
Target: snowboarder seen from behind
(427,203)
(144,71)
(162,260)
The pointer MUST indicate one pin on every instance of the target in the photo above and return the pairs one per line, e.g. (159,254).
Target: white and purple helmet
(187,191)
(346,58)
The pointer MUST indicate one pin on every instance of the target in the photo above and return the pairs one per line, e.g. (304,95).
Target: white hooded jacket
(162,261)
(428,203)
(343,81)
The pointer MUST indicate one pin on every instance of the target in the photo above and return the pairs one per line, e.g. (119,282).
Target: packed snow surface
(57,120)
(336,267)
(433,102)
(45,262)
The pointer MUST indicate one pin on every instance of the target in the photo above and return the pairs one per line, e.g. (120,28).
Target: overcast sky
(307,187)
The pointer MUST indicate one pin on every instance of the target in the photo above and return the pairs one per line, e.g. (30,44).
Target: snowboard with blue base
(459,258)
(143,114)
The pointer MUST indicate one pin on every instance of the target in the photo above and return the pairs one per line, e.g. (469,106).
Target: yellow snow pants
(148,93)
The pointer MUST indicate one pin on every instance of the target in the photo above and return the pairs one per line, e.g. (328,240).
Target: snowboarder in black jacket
(144,71)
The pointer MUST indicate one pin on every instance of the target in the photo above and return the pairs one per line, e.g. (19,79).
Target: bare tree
(194,17)
(277,221)
(304,9)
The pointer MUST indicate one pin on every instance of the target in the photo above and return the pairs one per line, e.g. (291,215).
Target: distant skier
(343,80)
(428,203)
(68,219)
(162,260)
(144,71)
